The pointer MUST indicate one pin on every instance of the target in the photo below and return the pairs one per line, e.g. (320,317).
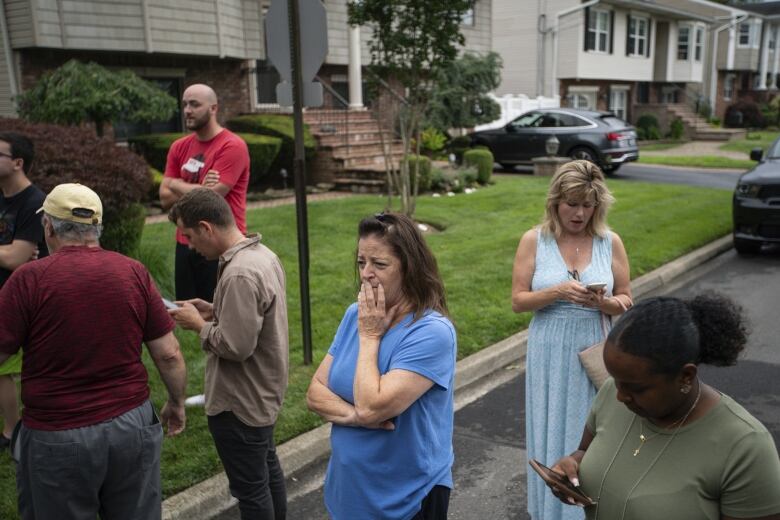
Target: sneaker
(195,400)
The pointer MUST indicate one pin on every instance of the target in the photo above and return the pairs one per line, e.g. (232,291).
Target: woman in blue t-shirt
(387,383)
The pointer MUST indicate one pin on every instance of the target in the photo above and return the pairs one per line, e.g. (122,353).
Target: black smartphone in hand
(562,483)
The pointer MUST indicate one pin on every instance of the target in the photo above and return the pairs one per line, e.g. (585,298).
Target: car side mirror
(756,153)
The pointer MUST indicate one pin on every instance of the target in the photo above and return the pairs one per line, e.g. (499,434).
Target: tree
(459,97)
(412,41)
(76,93)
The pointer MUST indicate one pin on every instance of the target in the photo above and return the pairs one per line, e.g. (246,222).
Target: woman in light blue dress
(570,249)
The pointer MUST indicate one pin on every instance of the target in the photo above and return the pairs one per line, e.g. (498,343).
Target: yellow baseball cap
(75,203)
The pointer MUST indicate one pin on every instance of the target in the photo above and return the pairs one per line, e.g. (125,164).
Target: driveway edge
(211,497)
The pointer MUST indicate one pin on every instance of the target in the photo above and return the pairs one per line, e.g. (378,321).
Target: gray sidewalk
(475,376)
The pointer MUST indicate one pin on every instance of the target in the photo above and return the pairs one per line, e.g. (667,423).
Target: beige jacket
(246,344)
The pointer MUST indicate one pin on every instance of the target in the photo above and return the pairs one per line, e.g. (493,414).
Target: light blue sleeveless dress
(558,393)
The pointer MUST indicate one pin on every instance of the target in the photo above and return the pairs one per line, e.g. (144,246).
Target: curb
(211,497)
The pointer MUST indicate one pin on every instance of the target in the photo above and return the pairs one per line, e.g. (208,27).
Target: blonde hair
(578,181)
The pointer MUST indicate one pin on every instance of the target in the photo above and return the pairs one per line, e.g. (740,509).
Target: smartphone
(566,487)
(169,304)
(596,286)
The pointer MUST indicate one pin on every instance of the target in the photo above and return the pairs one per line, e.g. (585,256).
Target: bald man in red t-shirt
(211,157)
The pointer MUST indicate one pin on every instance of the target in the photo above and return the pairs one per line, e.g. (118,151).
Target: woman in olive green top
(661,444)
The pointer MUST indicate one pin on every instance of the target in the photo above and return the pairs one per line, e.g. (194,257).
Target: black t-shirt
(18,221)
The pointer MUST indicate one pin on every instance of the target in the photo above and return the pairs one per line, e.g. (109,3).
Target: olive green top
(724,463)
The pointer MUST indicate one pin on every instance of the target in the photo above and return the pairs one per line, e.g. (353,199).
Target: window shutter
(628,32)
(611,30)
(649,36)
(587,24)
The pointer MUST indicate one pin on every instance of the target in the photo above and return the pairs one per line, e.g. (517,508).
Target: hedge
(424,165)
(276,125)
(74,154)
(263,151)
(482,159)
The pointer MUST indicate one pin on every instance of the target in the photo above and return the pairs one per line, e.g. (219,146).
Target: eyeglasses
(574,275)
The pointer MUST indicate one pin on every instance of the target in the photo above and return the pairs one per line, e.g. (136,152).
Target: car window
(572,120)
(615,122)
(774,150)
(527,120)
(550,121)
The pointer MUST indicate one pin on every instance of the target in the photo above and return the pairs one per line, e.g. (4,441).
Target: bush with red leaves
(72,154)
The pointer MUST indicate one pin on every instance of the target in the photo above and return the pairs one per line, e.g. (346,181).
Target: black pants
(195,276)
(252,468)
(435,504)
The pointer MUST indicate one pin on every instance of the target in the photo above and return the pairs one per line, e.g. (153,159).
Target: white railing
(514,105)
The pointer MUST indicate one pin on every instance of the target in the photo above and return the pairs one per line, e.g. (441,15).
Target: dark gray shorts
(111,469)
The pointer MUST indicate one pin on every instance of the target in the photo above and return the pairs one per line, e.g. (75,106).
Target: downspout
(554,29)
(541,27)
(714,58)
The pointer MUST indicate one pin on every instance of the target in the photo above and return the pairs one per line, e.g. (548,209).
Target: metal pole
(299,163)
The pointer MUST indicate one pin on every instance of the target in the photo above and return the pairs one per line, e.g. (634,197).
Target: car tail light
(614,136)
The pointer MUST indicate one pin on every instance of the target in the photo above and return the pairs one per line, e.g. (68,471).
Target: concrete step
(366,148)
(340,127)
(313,116)
(358,185)
(351,137)
(720,134)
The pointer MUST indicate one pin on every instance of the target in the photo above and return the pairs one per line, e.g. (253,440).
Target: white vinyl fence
(514,105)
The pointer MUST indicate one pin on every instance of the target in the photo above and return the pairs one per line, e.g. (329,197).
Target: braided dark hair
(708,329)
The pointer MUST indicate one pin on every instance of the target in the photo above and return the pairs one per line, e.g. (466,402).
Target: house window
(468,17)
(643,92)
(748,34)
(637,36)
(582,97)
(618,97)
(683,41)
(267,79)
(698,43)
(728,87)
(772,37)
(598,31)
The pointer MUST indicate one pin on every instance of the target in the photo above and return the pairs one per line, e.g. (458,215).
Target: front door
(618,100)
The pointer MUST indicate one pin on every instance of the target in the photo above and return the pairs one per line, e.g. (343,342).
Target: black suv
(756,207)
(600,137)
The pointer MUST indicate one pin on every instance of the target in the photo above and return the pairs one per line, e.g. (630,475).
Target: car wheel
(583,153)
(746,247)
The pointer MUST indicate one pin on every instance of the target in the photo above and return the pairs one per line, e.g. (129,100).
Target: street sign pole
(299,163)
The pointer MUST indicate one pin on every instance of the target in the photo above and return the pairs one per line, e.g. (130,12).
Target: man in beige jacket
(244,335)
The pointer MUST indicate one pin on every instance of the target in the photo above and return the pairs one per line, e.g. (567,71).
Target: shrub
(647,127)
(676,129)
(118,176)
(458,146)
(424,165)
(743,114)
(438,180)
(483,161)
(280,126)
(263,151)
(156,176)
(432,141)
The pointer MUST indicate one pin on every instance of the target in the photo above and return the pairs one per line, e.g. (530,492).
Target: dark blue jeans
(435,504)
(249,456)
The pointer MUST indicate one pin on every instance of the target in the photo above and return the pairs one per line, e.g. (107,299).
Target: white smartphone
(596,286)
(169,304)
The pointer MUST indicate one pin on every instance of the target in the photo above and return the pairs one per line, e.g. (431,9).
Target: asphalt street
(489,438)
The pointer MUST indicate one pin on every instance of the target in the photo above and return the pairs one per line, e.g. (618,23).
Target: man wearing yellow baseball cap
(82,315)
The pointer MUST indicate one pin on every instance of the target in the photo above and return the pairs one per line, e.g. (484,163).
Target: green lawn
(753,140)
(475,250)
(698,161)
(658,147)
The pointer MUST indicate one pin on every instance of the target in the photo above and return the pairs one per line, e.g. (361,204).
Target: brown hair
(201,204)
(579,181)
(422,285)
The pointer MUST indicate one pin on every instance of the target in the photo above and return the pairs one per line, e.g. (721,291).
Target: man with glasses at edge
(21,239)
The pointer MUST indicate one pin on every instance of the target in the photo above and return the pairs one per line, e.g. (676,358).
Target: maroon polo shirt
(80,316)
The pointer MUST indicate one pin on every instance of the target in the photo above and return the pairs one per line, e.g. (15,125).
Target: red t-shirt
(190,159)
(81,315)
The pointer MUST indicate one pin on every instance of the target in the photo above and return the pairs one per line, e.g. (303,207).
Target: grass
(658,147)
(698,161)
(753,140)
(475,251)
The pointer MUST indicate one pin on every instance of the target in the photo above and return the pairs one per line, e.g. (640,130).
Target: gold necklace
(643,439)
(652,464)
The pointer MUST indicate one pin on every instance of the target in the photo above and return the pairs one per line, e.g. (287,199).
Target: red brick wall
(225,76)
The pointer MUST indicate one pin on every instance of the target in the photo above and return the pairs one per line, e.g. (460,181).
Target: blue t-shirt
(380,474)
